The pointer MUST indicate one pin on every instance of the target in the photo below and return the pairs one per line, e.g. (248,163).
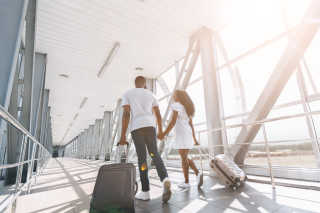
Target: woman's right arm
(193,132)
(172,123)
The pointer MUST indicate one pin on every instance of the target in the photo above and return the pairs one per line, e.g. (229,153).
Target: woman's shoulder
(177,106)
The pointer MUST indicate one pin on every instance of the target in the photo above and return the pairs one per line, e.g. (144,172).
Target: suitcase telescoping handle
(124,154)
(199,152)
(200,155)
(127,143)
(124,160)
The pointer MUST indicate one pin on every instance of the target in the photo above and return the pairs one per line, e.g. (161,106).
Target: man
(142,105)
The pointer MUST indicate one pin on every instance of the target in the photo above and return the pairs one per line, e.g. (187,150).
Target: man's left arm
(159,119)
(125,124)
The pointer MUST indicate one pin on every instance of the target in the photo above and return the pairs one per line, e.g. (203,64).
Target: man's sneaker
(184,185)
(143,196)
(166,190)
(200,179)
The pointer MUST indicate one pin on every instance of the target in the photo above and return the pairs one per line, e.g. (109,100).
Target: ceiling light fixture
(109,59)
(83,102)
(139,68)
(64,75)
(75,116)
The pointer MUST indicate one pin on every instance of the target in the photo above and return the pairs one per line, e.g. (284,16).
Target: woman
(183,111)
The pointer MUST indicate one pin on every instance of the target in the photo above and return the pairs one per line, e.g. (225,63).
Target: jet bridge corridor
(249,67)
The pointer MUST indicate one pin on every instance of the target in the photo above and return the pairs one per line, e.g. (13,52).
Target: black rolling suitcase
(115,189)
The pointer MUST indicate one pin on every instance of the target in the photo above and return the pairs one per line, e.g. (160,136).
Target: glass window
(170,78)
(313,63)
(197,72)
(196,93)
(159,91)
(245,32)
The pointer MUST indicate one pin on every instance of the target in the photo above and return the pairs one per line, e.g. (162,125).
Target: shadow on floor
(213,197)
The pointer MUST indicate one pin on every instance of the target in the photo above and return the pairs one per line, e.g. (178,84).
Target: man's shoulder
(149,92)
(138,92)
(128,92)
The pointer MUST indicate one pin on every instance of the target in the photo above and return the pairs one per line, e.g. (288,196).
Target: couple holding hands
(140,107)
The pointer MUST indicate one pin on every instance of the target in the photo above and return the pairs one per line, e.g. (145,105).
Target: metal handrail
(259,122)
(266,142)
(12,165)
(310,98)
(42,160)
(10,119)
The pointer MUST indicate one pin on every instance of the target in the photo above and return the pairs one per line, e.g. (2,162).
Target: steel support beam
(106,135)
(44,115)
(48,117)
(309,119)
(29,64)
(234,75)
(10,149)
(183,78)
(49,147)
(163,85)
(97,140)
(178,82)
(86,144)
(12,16)
(115,125)
(211,91)
(28,75)
(42,124)
(37,90)
(81,145)
(288,62)
(90,141)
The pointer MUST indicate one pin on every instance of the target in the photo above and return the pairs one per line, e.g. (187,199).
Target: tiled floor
(67,184)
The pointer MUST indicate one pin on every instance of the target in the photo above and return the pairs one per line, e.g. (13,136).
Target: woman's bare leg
(185,165)
(193,166)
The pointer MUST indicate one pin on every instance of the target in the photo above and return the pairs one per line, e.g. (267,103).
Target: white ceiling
(77,36)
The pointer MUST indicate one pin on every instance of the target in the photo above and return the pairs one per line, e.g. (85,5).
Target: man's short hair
(140,81)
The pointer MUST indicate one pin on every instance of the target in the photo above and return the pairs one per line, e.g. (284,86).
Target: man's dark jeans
(142,138)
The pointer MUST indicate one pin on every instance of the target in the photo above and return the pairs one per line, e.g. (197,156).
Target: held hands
(161,136)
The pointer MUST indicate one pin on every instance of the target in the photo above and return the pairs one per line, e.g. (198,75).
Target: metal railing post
(31,165)
(268,155)
(19,171)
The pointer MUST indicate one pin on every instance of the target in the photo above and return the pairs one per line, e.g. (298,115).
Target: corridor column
(211,91)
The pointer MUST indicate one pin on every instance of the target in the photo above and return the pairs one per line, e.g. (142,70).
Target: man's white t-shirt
(141,102)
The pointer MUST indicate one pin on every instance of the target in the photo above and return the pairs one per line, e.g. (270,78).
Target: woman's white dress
(183,131)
